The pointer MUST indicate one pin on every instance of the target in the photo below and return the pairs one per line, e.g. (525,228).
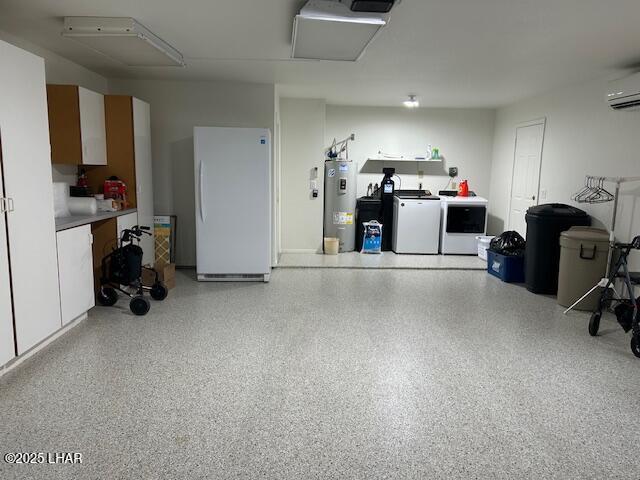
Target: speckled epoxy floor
(385,260)
(331,374)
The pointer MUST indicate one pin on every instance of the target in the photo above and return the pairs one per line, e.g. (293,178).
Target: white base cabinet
(75,271)
(129,220)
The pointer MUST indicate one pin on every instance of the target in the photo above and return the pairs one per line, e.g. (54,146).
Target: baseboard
(299,250)
(47,341)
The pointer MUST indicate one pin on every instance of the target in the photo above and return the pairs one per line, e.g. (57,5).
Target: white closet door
(526,173)
(144,175)
(7,348)
(92,127)
(26,160)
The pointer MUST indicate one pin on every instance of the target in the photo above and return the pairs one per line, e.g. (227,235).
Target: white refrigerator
(232,169)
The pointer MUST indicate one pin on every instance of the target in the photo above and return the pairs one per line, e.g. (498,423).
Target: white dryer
(463,219)
(416,224)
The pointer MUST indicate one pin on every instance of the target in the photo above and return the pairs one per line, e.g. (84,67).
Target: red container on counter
(115,189)
(463,189)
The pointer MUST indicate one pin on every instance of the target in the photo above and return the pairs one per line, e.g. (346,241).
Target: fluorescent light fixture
(122,39)
(412,102)
(328,30)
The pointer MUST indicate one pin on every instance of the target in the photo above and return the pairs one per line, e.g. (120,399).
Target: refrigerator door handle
(202,210)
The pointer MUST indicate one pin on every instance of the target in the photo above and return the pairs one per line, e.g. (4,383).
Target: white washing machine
(416,224)
(463,219)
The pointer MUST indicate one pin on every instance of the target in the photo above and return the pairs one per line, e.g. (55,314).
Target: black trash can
(367,209)
(542,252)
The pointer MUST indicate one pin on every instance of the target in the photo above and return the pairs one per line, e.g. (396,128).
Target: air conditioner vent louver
(626,105)
(624,94)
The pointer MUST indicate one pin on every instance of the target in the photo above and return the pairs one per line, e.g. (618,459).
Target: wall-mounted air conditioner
(624,94)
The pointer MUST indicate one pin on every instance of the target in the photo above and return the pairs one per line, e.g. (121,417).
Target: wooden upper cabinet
(76,125)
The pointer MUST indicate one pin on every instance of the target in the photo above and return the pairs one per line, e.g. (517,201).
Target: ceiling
(452,53)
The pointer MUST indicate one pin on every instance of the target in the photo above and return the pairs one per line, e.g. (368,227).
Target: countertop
(64,223)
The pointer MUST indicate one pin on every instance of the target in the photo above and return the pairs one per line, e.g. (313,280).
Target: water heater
(340,178)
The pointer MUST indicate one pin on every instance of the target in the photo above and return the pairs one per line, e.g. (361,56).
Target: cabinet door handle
(3,205)
(10,202)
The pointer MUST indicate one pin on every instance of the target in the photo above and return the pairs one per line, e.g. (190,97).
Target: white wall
(58,69)
(277,178)
(302,138)
(177,107)
(464,137)
(583,136)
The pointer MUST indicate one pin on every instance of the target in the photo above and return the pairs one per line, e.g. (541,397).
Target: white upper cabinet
(76,125)
(92,129)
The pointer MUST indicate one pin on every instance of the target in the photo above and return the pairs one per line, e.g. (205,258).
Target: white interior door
(92,127)
(26,163)
(7,348)
(525,183)
(75,266)
(144,176)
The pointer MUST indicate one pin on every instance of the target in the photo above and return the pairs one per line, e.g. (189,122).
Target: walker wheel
(635,346)
(107,296)
(159,292)
(139,305)
(594,323)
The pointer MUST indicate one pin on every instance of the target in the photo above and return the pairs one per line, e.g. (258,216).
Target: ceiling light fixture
(329,30)
(122,39)
(412,102)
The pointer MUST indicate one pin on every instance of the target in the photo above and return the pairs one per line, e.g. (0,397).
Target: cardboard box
(166,274)
(166,271)
(148,277)
(162,235)
(170,283)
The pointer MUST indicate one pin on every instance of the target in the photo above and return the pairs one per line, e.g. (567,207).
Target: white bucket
(331,245)
(483,245)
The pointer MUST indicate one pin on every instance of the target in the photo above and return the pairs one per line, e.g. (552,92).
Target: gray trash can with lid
(583,262)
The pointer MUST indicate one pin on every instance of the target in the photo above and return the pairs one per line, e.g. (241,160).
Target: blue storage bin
(506,268)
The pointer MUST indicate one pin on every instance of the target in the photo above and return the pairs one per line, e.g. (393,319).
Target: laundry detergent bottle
(463,189)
